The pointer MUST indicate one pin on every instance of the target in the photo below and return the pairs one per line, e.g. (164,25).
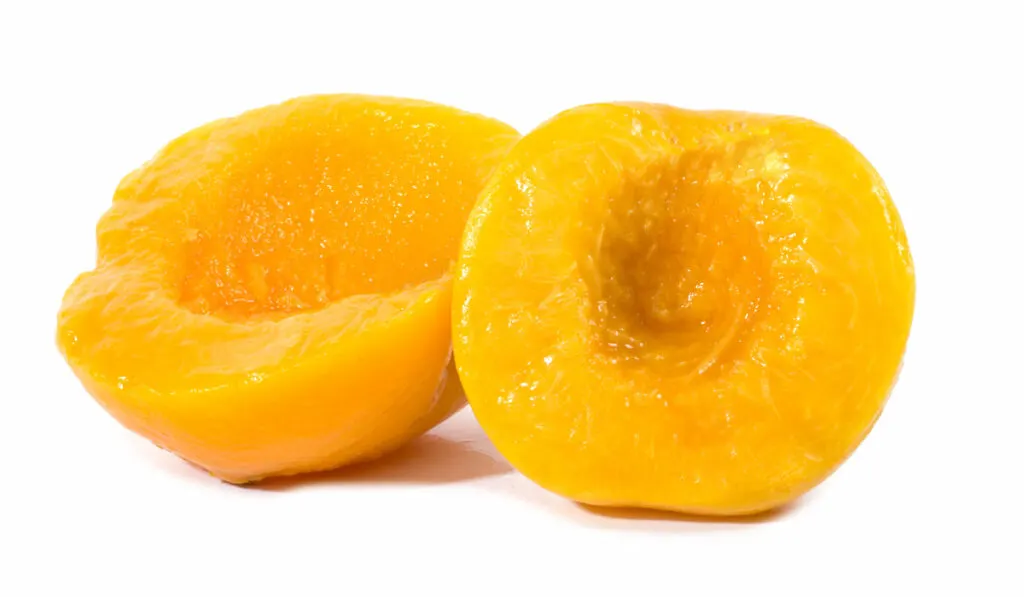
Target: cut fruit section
(272,291)
(694,311)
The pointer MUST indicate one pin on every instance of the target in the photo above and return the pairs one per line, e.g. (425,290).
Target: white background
(932,499)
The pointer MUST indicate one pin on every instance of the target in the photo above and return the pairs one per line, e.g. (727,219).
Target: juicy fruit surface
(271,294)
(695,311)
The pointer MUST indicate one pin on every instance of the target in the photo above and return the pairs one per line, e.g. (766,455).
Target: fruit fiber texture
(694,311)
(272,291)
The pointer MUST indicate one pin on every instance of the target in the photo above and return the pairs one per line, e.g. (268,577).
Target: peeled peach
(272,291)
(694,311)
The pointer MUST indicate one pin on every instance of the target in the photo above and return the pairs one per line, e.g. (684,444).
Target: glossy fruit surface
(272,291)
(695,311)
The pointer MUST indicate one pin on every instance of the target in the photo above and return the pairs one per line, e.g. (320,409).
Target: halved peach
(694,311)
(272,291)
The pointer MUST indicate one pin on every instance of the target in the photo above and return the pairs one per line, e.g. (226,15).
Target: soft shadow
(429,460)
(644,514)
(632,519)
